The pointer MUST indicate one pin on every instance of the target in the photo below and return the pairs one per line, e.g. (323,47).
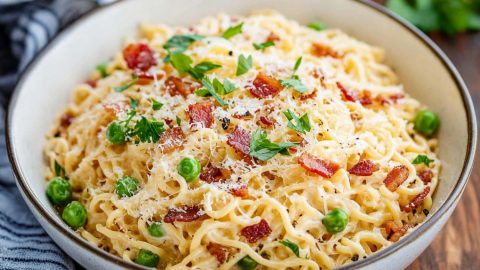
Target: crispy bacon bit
(92,83)
(201,112)
(211,174)
(309,96)
(115,107)
(218,251)
(65,121)
(381,100)
(293,150)
(364,168)
(366,98)
(255,232)
(240,140)
(139,56)
(396,97)
(415,202)
(240,191)
(355,116)
(245,115)
(264,86)
(273,37)
(321,50)
(318,166)
(186,214)
(394,233)
(396,177)
(145,77)
(425,175)
(171,139)
(348,95)
(176,86)
(266,121)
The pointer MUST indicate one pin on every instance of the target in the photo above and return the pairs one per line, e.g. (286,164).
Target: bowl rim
(454,196)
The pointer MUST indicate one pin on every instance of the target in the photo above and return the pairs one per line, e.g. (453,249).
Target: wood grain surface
(457,246)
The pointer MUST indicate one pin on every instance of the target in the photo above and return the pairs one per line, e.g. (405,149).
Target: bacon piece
(240,140)
(186,214)
(201,112)
(145,77)
(396,97)
(65,121)
(394,233)
(265,121)
(255,232)
(139,56)
(425,175)
(92,83)
(318,166)
(364,168)
(355,116)
(273,37)
(321,50)
(211,174)
(396,177)
(246,115)
(240,191)
(171,139)
(264,86)
(219,251)
(415,202)
(309,96)
(366,98)
(348,95)
(176,86)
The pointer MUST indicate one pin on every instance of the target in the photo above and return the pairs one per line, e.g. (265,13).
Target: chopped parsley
(292,246)
(178,120)
(156,105)
(422,159)
(179,44)
(233,31)
(317,25)
(58,169)
(199,70)
(244,64)
(302,124)
(148,130)
(214,89)
(133,103)
(294,81)
(263,46)
(263,149)
(124,87)
(102,69)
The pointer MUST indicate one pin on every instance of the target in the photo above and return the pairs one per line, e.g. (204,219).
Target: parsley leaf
(233,31)
(199,70)
(263,149)
(156,105)
(181,62)
(317,25)
(244,64)
(133,103)
(302,123)
(422,159)
(295,83)
(263,46)
(297,64)
(102,69)
(228,86)
(148,130)
(124,87)
(58,169)
(210,87)
(222,89)
(292,246)
(178,120)
(180,43)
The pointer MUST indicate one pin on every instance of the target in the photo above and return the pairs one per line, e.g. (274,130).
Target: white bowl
(46,87)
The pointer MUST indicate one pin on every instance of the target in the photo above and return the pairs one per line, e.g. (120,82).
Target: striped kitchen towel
(25,28)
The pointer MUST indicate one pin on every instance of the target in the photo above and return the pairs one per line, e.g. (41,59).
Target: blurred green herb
(448,16)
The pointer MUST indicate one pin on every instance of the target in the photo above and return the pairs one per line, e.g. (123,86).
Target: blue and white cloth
(25,28)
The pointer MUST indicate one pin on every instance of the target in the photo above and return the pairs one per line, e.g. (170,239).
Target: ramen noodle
(288,124)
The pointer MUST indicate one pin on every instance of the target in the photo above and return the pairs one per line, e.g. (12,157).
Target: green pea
(189,168)
(75,215)
(147,258)
(117,133)
(247,263)
(155,229)
(427,122)
(59,191)
(335,221)
(127,186)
